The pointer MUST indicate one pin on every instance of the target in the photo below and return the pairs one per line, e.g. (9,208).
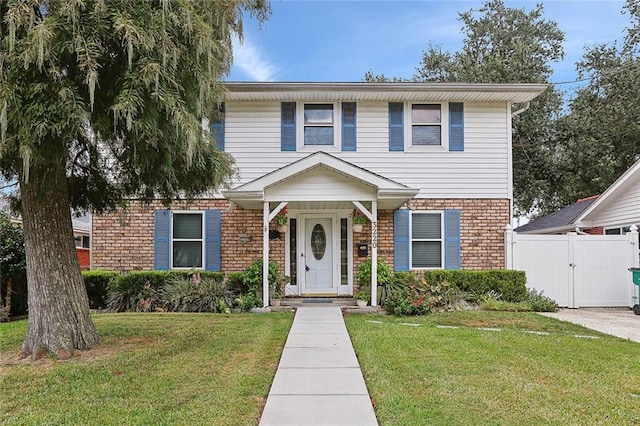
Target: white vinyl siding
(624,211)
(252,136)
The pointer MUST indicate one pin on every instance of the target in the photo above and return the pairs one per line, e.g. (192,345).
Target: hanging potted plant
(282,220)
(358,220)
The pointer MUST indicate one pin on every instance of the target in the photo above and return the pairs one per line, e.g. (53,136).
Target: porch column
(265,254)
(374,253)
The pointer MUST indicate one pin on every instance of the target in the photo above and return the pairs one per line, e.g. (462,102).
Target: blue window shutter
(288,138)
(456,126)
(396,126)
(212,240)
(452,239)
(349,126)
(161,239)
(401,240)
(217,128)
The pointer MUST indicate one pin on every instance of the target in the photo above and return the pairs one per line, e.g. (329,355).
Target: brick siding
(598,230)
(123,241)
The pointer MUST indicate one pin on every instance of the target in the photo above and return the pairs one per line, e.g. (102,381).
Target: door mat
(317,301)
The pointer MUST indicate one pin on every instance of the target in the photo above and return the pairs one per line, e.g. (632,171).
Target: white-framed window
(82,241)
(426,125)
(427,229)
(619,230)
(319,124)
(187,239)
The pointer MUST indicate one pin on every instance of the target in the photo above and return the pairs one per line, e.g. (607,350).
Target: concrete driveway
(619,322)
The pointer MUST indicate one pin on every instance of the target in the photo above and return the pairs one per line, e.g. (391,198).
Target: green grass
(150,369)
(467,376)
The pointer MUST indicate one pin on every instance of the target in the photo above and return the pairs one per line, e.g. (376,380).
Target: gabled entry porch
(320,192)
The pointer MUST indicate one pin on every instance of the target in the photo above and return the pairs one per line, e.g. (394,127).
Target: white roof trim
(621,184)
(387,189)
(416,92)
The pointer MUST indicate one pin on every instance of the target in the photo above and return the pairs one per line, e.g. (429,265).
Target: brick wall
(123,241)
(598,230)
(84,257)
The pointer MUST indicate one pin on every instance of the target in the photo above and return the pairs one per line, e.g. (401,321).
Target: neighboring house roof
(382,92)
(81,225)
(560,221)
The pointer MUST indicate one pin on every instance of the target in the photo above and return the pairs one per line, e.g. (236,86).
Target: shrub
(13,275)
(96,282)
(235,282)
(404,280)
(253,275)
(138,291)
(248,301)
(539,302)
(363,276)
(195,294)
(135,291)
(510,284)
(408,301)
(422,299)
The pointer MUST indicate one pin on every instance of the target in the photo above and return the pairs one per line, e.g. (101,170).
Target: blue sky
(327,40)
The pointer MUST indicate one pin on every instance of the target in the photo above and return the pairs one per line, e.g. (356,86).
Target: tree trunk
(59,316)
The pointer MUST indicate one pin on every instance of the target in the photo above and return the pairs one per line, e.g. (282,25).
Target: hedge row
(100,283)
(510,284)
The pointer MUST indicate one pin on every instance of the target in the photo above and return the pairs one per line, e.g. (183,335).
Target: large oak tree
(102,100)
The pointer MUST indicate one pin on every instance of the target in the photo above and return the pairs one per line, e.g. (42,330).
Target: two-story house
(429,165)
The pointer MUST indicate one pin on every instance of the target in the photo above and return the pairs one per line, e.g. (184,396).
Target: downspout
(521,110)
(513,114)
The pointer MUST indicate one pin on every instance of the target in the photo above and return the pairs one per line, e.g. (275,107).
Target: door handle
(306,268)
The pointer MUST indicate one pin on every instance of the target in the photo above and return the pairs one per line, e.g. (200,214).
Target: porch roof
(332,183)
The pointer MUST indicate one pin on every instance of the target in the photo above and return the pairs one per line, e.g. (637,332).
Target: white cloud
(252,62)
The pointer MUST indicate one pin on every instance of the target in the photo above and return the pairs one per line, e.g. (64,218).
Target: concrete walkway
(616,322)
(318,381)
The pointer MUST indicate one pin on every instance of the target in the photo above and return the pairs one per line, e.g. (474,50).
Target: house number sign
(374,234)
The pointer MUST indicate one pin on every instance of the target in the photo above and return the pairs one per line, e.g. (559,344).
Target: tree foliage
(599,139)
(117,90)
(12,263)
(101,100)
(508,45)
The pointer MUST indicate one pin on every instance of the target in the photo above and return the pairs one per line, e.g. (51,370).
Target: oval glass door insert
(318,241)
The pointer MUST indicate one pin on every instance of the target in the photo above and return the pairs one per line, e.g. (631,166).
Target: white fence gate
(577,270)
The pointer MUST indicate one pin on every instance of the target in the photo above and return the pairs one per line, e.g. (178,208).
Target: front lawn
(150,369)
(457,368)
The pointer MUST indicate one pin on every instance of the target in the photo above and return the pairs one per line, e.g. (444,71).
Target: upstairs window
(318,124)
(419,127)
(187,240)
(426,125)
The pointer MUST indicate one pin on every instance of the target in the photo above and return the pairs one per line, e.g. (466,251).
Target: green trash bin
(635,276)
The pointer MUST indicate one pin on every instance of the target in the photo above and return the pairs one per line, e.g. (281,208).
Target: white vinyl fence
(577,270)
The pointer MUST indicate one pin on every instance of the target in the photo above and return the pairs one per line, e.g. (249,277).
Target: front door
(317,257)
